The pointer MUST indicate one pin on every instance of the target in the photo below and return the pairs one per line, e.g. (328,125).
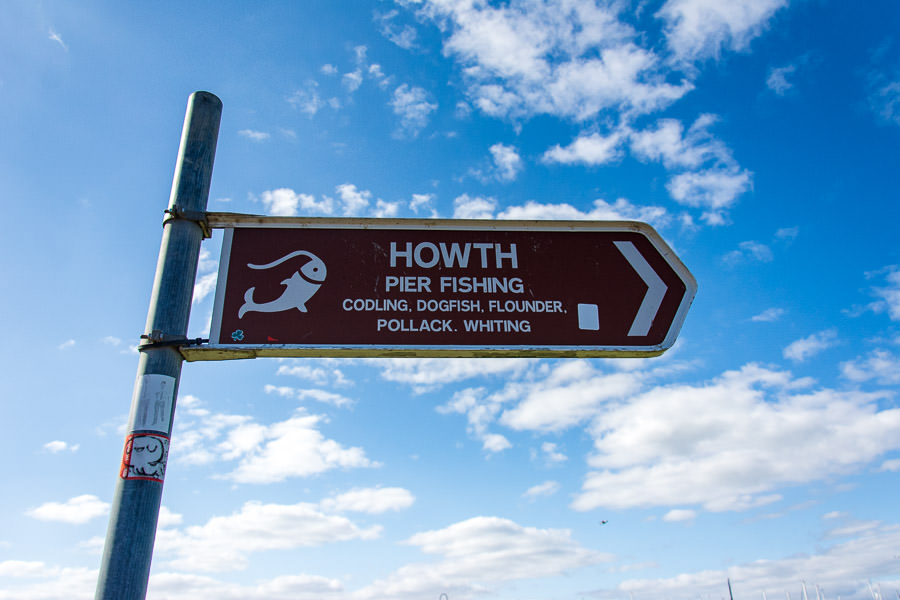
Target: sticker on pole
(145,457)
(152,403)
(369,287)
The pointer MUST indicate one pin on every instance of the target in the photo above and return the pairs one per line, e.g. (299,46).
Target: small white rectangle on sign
(152,404)
(588,317)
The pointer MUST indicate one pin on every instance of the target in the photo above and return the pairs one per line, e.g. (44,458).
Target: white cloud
(224,543)
(787,234)
(621,210)
(888,295)
(351,81)
(777,81)
(715,190)
(35,580)
(474,207)
(589,149)
(879,365)
(403,36)
(423,202)
(551,454)
(184,586)
(370,500)
(204,287)
(425,374)
(728,444)
(319,372)
(768,316)
(307,99)
(885,102)
(263,453)
(698,29)
(385,210)
(548,488)
(670,144)
(66,345)
(256,136)
(323,396)
(570,394)
(841,569)
(354,201)
(167,518)
(290,448)
(412,106)
(77,510)
(679,514)
(477,207)
(329,69)
(714,179)
(58,39)
(286,202)
(57,446)
(507,162)
(553,57)
(480,412)
(480,554)
(749,250)
(804,348)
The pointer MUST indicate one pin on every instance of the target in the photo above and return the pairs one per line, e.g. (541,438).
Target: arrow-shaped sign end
(656,289)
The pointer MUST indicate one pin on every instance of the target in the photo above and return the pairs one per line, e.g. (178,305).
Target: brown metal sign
(373,287)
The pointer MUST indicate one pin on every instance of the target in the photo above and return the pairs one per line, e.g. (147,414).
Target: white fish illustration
(299,287)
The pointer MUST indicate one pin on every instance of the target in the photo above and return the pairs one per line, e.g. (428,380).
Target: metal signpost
(372,287)
(125,568)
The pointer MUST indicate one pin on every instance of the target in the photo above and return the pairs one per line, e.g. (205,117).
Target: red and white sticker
(145,457)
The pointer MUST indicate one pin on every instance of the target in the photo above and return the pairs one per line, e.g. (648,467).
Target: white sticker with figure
(145,457)
(154,397)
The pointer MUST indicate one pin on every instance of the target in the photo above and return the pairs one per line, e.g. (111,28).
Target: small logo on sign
(299,287)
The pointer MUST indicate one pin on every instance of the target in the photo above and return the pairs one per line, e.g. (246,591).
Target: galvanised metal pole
(132,525)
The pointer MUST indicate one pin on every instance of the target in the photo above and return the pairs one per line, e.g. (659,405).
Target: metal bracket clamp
(194,216)
(158,339)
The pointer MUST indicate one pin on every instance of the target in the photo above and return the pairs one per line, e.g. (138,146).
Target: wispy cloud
(256,136)
(58,39)
(777,81)
(548,488)
(768,316)
(411,104)
(809,346)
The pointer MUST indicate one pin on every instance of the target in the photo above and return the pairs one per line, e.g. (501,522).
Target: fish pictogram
(299,287)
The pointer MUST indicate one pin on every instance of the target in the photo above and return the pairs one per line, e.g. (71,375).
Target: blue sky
(760,138)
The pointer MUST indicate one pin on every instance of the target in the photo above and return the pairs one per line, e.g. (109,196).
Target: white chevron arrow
(656,289)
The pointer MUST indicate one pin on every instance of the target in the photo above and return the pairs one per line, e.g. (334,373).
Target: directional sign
(373,287)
